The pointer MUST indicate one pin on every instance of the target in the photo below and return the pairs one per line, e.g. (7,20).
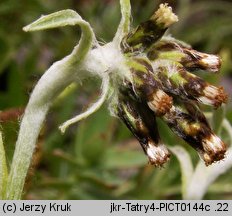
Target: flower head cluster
(150,75)
(162,86)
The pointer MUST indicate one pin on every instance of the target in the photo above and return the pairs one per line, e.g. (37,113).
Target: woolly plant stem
(124,25)
(51,84)
(3,169)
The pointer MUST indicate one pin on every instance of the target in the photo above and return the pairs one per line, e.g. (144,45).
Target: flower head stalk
(144,76)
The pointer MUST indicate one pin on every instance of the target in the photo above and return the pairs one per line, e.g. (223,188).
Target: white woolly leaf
(60,75)
(204,176)
(91,110)
(185,165)
(54,20)
(218,116)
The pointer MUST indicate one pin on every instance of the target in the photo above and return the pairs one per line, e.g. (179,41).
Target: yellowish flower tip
(214,96)
(160,103)
(215,149)
(157,154)
(165,16)
(211,62)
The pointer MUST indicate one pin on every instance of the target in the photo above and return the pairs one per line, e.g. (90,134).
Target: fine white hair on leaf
(124,25)
(91,109)
(60,75)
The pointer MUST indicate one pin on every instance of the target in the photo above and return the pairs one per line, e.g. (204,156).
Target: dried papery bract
(142,123)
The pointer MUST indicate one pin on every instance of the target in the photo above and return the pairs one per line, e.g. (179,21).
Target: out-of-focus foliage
(98,158)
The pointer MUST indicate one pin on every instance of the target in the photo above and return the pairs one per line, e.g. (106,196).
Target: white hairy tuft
(169,66)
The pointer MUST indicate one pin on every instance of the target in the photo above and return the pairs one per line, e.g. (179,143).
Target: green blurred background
(99,158)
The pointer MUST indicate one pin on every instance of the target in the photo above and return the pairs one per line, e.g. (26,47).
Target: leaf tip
(26,28)
(62,128)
